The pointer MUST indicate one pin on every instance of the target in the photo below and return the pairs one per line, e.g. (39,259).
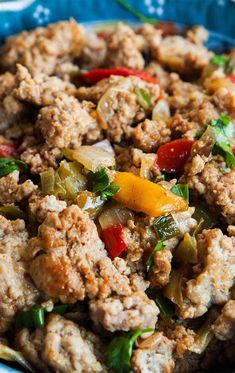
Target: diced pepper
(171,157)
(232,78)
(94,76)
(142,195)
(8,151)
(112,237)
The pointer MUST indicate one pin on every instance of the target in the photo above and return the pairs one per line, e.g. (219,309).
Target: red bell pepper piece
(112,237)
(8,151)
(95,75)
(232,78)
(171,157)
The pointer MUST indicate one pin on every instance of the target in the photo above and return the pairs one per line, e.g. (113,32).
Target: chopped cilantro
(181,190)
(159,246)
(101,184)
(8,165)
(119,351)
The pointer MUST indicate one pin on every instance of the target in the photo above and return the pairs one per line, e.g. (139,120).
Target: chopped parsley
(101,184)
(220,60)
(119,351)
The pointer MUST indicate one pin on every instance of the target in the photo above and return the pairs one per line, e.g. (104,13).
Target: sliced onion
(161,110)
(105,145)
(104,107)
(115,215)
(7,353)
(90,157)
(147,161)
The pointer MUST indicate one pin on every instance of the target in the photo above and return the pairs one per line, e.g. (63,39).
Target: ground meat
(95,92)
(11,191)
(40,206)
(181,55)
(122,109)
(42,49)
(129,159)
(214,182)
(157,71)
(68,248)
(63,346)
(197,35)
(183,337)
(224,325)
(65,122)
(41,89)
(214,274)
(93,53)
(148,135)
(39,157)
(125,312)
(16,289)
(155,358)
(152,37)
(123,48)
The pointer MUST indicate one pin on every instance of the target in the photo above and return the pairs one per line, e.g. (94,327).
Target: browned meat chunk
(16,289)
(40,206)
(93,53)
(42,49)
(224,325)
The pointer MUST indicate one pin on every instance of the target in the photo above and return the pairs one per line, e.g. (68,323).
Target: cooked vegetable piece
(119,351)
(143,97)
(203,337)
(48,181)
(161,110)
(101,184)
(232,78)
(159,246)
(220,60)
(173,289)
(33,318)
(8,165)
(7,353)
(112,237)
(186,251)
(60,309)
(171,157)
(166,227)
(94,76)
(181,190)
(147,162)
(205,221)
(115,215)
(90,202)
(12,212)
(8,151)
(165,306)
(91,157)
(142,195)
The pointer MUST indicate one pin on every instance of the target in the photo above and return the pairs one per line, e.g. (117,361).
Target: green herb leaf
(220,60)
(181,190)
(159,246)
(143,98)
(7,165)
(137,14)
(101,184)
(119,351)
(166,227)
(223,131)
(165,306)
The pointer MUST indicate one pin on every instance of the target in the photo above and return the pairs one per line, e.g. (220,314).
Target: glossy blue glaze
(217,15)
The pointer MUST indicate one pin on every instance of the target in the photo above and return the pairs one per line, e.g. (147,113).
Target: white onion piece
(161,110)
(147,161)
(104,107)
(90,157)
(115,215)
(105,145)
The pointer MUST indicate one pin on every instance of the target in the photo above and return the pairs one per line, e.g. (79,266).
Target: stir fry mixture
(117,201)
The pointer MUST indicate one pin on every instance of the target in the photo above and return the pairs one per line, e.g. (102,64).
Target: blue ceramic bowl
(218,16)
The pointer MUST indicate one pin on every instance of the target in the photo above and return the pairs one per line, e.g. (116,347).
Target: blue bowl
(216,15)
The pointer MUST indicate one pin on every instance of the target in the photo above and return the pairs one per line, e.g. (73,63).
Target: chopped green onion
(8,165)
(203,337)
(60,309)
(8,354)
(165,306)
(143,98)
(166,227)
(181,190)
(173,289)
(220,60)
(12,212)
(118,352)
(48,181)
(186,251)
(33,318)
(159,246)
(137,14)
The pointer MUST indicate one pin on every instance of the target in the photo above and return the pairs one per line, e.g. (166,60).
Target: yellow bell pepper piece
(142,195)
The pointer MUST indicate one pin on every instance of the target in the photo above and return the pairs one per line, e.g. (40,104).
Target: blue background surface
(216,15)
